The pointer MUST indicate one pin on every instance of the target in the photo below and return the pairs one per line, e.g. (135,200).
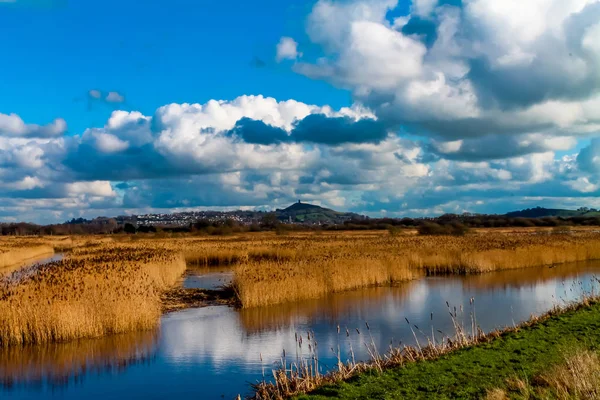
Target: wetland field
(269,315)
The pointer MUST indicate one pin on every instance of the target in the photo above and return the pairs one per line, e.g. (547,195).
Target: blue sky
(159,53)
(383,107)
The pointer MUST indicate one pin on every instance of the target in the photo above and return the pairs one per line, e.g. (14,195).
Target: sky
(381,107)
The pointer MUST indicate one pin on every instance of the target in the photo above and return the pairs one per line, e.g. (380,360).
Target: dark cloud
(196,191)
(468,127)
(318,128)
(426,29)
(87,163)
(253,131)
(496,147)
(315,128)
(589,157)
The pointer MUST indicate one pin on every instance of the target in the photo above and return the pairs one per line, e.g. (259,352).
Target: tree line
(445,224)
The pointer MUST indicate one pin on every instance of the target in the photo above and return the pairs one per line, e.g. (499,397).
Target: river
(214,352)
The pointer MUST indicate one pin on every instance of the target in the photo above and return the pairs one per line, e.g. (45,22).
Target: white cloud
(107,143)
(115,97)
(583,185)
(13,125)
(94,188)
(28,183)
(287,49)
(184,147)
(423,8)
(489,68)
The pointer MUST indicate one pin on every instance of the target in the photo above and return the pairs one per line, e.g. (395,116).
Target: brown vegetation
(114,284)
(15,251)
(315,265)
(179,298)
(95,291)
(577,378)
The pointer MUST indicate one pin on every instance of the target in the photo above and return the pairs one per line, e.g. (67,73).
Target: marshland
(96,317)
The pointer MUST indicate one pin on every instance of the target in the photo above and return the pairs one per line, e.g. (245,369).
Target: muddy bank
(180,298)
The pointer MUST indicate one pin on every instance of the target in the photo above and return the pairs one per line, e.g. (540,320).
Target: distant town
(298,213)
(298,216)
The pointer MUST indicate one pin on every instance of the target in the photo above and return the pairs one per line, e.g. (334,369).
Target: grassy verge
(475,372)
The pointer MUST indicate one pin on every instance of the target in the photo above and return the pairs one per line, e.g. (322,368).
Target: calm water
(207,278)
(29,268)
(213,352)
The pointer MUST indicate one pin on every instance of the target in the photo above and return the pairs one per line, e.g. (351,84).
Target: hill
(539,212)
(311,214)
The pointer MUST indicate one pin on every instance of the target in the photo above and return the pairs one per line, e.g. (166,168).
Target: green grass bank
(470,372)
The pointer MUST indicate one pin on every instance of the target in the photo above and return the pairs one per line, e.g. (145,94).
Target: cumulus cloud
(287,49)
(455,70)
(108,143)
(256,151)
(13,125)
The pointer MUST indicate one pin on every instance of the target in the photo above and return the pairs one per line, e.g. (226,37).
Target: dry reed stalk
(577,378)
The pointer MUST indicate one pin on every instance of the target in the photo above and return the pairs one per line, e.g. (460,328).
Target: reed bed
(272,282)
(113,284)
(95,291)
(313,266)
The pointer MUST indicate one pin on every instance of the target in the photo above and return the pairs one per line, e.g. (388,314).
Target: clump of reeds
(259,283)
(91,293)
(298,267)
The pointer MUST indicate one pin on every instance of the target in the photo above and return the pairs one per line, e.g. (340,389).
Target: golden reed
(113,285)
(95,291)
(329,263)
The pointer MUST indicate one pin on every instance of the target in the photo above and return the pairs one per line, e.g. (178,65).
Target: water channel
(214,352)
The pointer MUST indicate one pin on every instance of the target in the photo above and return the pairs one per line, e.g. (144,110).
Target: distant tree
(129,228)
(269,221)
(202,224)
(230,223)
(146,229)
